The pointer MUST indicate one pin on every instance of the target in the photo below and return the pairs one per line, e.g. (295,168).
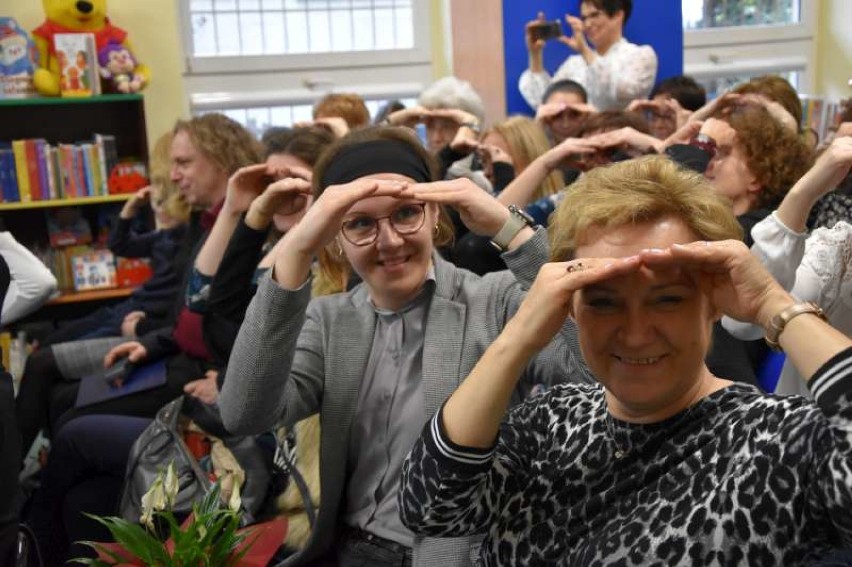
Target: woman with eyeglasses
(611,69)
(377,361)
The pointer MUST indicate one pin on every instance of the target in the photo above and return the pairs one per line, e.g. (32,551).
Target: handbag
(162,442)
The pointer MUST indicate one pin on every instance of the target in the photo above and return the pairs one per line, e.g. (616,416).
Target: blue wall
(648,24)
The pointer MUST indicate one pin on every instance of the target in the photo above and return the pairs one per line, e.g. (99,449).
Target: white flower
(171,485)
(153,500)
(235,502)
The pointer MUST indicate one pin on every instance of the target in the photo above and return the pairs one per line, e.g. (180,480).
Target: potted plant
(209,537)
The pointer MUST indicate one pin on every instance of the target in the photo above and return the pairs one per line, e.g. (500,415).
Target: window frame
(752,50)
(216,64)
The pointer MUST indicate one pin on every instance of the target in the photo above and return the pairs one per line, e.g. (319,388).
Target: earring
(437,229)
(339,248)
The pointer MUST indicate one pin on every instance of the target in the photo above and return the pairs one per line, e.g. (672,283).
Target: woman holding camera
(661,462)
(613,72)
(377,361)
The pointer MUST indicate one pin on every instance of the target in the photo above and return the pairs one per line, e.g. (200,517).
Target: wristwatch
(518,219)
(779,321)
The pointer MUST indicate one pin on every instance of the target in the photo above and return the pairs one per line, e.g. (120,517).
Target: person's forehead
(565,97)
(629,239)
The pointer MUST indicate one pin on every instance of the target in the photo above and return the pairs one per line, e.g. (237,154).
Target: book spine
(12,196)
(32,169)
(102,164)
(43,177)
(21,171)
(88,178)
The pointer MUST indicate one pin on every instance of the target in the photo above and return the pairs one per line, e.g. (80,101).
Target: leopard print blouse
(741,478)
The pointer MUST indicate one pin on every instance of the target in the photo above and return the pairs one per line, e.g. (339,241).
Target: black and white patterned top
(741,478)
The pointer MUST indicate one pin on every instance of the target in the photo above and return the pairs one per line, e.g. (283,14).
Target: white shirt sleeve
(31,282)
(532,85)
(780,250)
(626,74)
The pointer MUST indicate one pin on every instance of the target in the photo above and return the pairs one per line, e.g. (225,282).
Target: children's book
(94,270)
(78,64)
(67,227)
(17,60)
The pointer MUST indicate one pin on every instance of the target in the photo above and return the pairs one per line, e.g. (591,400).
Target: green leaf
(135,540)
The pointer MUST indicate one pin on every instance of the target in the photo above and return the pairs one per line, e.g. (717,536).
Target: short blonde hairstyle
(527,140)
(638,191)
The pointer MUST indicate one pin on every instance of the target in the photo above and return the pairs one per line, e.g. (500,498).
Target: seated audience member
(612,70)
(813,267)
(836,205)
(662,461)
(376,361)
(205,151)
(755,162)
(386,110)
(445,108)
(670,104)
(30,282)
(350,107)
(148,307)
(507,147)
(89,456)
(771,91)
(563,107)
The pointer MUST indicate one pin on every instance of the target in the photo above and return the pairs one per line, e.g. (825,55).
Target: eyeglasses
(363,230)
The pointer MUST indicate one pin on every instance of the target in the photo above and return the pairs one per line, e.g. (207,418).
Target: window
(726,41)
(268,61)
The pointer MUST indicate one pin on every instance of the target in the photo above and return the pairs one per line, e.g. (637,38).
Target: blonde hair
(637,191)
(164,191)
(527,140)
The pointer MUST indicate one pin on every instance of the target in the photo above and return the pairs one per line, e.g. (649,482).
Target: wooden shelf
(92,295)
(65,202)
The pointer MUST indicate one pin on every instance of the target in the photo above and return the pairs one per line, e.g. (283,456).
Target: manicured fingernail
(653,250)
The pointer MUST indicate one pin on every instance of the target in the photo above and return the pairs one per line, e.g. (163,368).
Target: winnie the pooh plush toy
(76,16)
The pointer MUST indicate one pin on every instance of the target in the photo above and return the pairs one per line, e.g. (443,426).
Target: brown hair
(775,89)
(333,264)
(307,144)
(222,140)
(776,156)
(527,140)
(637,191)
(348,106)
(609,120)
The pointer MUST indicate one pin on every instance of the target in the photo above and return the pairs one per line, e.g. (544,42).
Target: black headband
(378,156)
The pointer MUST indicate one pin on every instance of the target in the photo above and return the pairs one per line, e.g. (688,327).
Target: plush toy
(118,67)
(76,16)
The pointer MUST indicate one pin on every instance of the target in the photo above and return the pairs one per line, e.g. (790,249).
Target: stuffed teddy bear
(76,16)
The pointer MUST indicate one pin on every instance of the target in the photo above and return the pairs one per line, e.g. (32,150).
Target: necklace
(610,432)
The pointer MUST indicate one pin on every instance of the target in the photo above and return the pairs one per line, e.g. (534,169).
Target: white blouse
(31,282)
(814,268)
(625,73)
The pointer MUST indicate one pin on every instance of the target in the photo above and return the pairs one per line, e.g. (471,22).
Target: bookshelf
(71,121)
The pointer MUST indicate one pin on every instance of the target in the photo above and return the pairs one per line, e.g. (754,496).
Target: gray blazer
(295,356)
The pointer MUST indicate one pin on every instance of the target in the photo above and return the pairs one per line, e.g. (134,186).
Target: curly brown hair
(776,89)
(776,156)
(222,140)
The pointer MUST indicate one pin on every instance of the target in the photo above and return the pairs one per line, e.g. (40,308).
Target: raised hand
(408,117)
(136,202)
(287,196)
(549,301)
(336,124)
(555,156)
(534,45)
(576,41)
(734,279)
(457,115)
(246,184)
(479,211)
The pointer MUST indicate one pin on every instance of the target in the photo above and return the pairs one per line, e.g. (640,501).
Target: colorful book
(32,169)
(77,59)
(94,270)
(19,149)
(41,164)
(10,176)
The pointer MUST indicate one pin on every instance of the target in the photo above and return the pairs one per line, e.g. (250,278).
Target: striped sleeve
(832,380)
(451,455)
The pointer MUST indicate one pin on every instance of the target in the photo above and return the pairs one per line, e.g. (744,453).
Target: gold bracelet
(779,321)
